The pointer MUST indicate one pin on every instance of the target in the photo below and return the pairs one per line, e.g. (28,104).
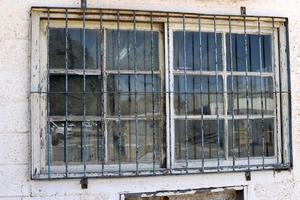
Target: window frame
(222,28)
(107,25)
(39,106)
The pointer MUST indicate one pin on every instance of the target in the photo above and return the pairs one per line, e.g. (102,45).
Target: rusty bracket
(248,175)
(84,183)
(243,11)
(83,4)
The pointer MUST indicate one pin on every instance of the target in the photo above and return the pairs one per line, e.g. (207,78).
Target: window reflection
(75,95)
(253,48)
(122,141)
(57,48)
(256,89)
(75,146)
(258,130)
(120,45)
(145,98)
(195,95)
(194,143)
(193,51)
(119,142)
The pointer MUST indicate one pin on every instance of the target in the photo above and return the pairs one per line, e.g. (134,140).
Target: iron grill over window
(135,93)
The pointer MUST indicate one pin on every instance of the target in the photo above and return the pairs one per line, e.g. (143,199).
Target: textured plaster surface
(15,180)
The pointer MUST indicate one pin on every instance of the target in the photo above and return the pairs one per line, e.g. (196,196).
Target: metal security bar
(147,93)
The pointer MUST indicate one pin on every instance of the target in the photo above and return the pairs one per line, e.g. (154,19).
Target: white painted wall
(15,180)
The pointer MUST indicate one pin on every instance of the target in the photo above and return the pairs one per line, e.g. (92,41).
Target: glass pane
(57,48)
(193,51)
(57,97)
(240,139)
(253,58)
(194,131)
(126,145)
(75,95)
(145,97)
(76,142)
(125,43)
(255,88)
(209,90)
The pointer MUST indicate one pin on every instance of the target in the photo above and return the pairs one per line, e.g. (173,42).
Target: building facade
(194,152)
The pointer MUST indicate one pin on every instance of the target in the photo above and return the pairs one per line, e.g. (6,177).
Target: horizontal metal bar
(157,93)
(160,172)
(214,117)
(140,117)
(220,73)
(148,117)
(159,13)
(97,72)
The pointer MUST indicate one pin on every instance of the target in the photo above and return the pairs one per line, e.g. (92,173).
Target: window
(121,93)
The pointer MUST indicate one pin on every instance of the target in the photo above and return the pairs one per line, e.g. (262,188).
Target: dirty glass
(119,139)
(259,90)
(194,139)
(201,95)
(122,141)
(250,97)
(145,99)
(193,51)
(57,48)
(120,49)
(75,147)
(261,137)
(257,55)
(75,95)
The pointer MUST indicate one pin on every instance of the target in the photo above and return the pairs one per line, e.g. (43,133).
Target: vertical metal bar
(129,97)
(169,94)
(118,83)
(84,99)
(194,99)
(290,148)
(48,102)
(280,95)
(275,91)
(247,92)
(252,79)
(103,138)
(224,90)
(217,92)
(201,93)
(153,105)
(185,95)
(145,107)
(66,95)
(145,89)
(135,97)
(261,93)
(237,99)
(209,94)
(232,95)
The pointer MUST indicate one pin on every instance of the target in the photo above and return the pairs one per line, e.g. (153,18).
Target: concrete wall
(15,180)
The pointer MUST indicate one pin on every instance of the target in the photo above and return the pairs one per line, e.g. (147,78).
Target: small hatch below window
(212,194)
